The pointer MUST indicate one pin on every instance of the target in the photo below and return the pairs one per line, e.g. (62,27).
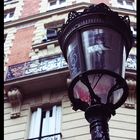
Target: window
(45,124)
(5,37)
(134,30)
(51,29)
(8,15)
(53,4)
(120,1)
(7,0)
(127,4)
(61,1)
(51,34)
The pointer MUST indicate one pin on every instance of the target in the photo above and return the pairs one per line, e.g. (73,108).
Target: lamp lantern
(95,44)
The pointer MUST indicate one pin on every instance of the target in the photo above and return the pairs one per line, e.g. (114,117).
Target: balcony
(46,73)
(38,75)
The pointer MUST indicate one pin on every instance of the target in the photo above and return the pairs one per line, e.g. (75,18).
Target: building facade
(36,75)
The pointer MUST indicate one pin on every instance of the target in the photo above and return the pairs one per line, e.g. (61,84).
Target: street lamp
(96,43)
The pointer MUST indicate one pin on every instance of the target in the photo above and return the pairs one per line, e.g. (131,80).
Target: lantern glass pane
(103,49)
(101,85)
(116,95)
(81,92)
(73,56)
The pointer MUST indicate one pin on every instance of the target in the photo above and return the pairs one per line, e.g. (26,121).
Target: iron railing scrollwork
(48,64)
(56,136)
(37,66)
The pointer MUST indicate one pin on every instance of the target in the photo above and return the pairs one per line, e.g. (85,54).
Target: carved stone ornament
(15,98)
(131,100)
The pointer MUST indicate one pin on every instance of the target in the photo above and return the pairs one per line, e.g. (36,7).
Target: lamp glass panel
(81,92)
(116,96)
(101,85)
(73,56)
(103,49)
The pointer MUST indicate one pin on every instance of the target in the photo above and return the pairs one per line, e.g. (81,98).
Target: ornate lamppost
(96,43)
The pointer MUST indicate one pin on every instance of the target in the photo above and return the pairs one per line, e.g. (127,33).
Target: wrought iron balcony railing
(37,66)
(48,64)
(56,136)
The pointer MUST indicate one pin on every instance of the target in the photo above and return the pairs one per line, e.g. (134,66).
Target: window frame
(7,15)
(126,4)
(7,2)
(5,36)
(52,26)
(53,129)
(50,35)
(59,3)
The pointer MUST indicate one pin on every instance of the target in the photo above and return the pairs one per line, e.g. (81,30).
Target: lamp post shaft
(98,117)
(99,130)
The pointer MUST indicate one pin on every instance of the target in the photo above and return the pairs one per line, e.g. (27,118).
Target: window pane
(7,0)
(50,120)
(120,1)
(5,15)
(61,1)
(5,37)
(51,34)
(52,3)
(100,50)
(8,15)
(11,14)
(129,2)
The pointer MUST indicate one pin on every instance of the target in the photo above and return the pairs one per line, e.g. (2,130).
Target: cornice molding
(43,15)
(59,11)
(15,98)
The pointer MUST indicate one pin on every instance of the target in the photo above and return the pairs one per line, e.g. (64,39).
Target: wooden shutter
(58,122)
(35,124)
(31,133)
(52,123)
(45,125)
